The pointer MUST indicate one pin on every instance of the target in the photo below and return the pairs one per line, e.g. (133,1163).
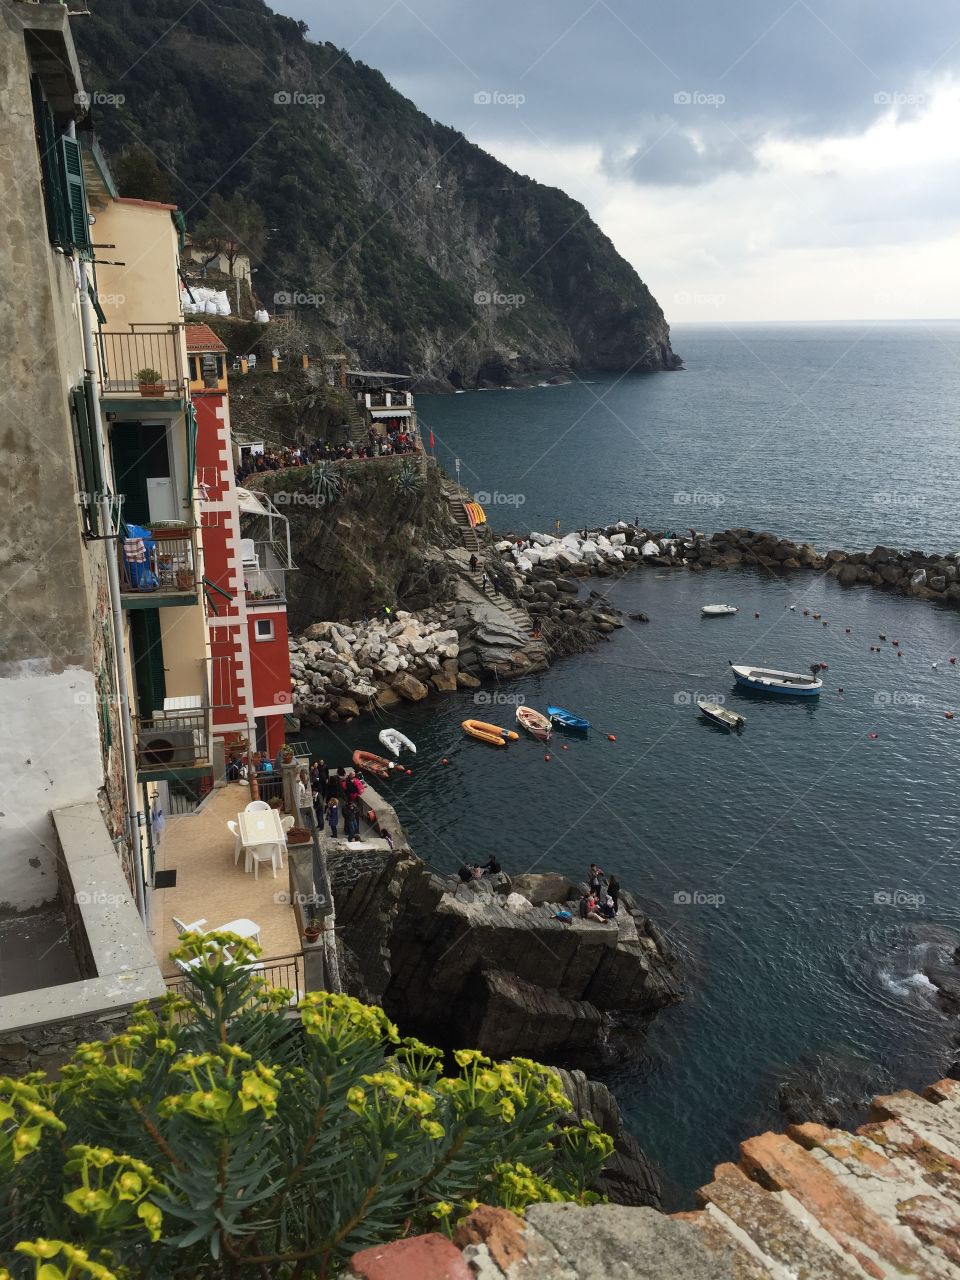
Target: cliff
(398,238)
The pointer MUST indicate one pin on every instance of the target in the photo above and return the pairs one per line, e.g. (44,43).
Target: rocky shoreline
(342,669)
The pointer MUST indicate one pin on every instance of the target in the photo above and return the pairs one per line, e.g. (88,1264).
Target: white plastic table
(259,829)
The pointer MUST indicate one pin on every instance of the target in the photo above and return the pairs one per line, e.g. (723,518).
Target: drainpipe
(134,817)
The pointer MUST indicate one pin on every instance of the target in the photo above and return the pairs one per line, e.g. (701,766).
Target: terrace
(152,350)
(161,569)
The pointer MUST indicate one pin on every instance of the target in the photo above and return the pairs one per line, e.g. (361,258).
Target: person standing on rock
(474,562)
(483,584)
(497,584)
(613,892)
(333,815)
(595,878)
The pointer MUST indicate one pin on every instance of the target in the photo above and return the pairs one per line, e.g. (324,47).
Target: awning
(250,504)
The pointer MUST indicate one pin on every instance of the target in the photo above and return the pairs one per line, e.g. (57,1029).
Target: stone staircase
(455,498)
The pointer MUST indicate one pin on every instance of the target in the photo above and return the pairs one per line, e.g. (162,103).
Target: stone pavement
(809,1204)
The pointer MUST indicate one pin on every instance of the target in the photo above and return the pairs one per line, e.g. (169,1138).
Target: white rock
(618,539)
(649,549)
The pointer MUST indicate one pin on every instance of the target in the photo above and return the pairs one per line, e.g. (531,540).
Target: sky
(753,159)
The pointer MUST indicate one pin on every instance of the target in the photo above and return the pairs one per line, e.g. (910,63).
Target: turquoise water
(804,871)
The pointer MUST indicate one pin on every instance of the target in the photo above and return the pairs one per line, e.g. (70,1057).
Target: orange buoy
(546,757)
(611,737)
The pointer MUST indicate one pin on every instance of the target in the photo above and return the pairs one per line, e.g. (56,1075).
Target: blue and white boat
(768,680)
(566,719)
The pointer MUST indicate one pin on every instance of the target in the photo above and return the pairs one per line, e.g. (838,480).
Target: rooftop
(200,337)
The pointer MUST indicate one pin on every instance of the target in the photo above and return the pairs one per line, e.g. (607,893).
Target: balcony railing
(173,740)
(276,972)
(160,563)
(265,586)
(265,566)
(125,356)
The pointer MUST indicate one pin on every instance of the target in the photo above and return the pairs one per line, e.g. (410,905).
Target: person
(483,583)
(355,785)
(474,562)
(613,891)
(333,815)
(466,872)
(606,908)
(234,771)
(492,866)
(304,793)
(537,631)
(595,879)
(588,909)
(341,781)
(476,873)
(332,790)
(319,773)
(351,819)
(497,584)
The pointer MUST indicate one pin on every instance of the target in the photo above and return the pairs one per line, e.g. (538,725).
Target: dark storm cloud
(600,70)
(667,155)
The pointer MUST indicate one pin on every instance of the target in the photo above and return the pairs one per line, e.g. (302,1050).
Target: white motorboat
(769,680)
(718,610)
(396,741)
(722,716)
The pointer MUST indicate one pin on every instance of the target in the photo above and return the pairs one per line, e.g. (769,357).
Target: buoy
(546,757)
(611,737)
(444,760)
(873,735)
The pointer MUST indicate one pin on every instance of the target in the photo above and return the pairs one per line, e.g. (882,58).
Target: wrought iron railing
(266,585)
(159,563)
(284,972)
(126,356)
(173,740)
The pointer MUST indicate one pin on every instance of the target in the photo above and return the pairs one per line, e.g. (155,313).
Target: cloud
(669,156)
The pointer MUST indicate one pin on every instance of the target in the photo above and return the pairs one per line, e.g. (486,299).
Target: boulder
(466,681)
(409,687)
(387,697)
(568,584)
(346,708)
(847,574)
(444,681)
(540,887)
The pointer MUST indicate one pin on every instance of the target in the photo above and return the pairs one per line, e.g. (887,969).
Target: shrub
(218,1136)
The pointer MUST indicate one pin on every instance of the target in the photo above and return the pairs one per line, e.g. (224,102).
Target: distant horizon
(872,321)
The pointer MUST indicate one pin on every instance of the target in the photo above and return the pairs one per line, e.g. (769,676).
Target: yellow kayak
(491,733)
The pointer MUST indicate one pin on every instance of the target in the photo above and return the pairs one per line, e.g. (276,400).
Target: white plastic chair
(237,841)
(256,806)
(195,927)
(287,822)
(264,853)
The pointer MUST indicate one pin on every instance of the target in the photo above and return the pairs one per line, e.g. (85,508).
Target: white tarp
(250,504)
(205,302)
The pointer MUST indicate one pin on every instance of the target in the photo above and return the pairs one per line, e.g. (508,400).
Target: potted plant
(298,835)
(311,930)
(286,754)
(167,530)
(150,382)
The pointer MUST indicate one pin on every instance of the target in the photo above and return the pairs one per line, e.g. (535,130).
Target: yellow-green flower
(151,1217)
(433,1129)
(25,1140)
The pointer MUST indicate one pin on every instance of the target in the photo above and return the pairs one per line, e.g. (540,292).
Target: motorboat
(490,733)
(770,680)
(718,610)
(567,719)
(395,741)
(535,722)
(722,716)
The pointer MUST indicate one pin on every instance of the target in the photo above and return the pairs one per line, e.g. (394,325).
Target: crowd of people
(601,902)
(395,437)
(477,870)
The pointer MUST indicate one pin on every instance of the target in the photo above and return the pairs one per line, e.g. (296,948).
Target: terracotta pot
(311,932)
(298,835)
(153,389)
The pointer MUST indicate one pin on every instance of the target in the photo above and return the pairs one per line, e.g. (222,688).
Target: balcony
(265,567)
(149,349)
(161,569)
(174,741)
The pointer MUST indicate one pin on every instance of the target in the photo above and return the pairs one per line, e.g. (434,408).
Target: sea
(805,871)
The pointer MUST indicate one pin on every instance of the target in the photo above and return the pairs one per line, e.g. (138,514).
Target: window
(88,462)
(61,172)
(264,629)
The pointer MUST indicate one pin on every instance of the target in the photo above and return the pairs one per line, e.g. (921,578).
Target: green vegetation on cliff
(387,225)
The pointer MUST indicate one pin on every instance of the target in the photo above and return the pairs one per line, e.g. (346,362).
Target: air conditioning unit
(167,748)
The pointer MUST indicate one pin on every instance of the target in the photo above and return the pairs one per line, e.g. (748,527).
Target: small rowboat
(396,741)
(491,733)
(534,722)
(722,716)
(718,610)
(566,719)
(769,680)
(369,763)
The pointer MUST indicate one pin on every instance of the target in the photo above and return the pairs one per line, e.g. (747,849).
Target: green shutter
(95,301)
(71,169)
(53,198)
(91,482)
(191,450)
(147,657)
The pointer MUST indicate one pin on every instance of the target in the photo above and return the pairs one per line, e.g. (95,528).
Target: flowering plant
(221,1136)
